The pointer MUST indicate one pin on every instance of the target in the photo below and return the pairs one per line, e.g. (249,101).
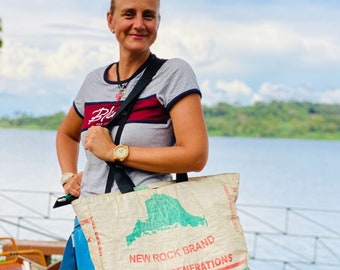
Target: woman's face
(135,23)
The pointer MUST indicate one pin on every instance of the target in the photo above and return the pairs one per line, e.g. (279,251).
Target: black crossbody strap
(117,172)
(153,66)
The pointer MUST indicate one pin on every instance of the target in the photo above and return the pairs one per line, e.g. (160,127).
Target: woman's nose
(139,22)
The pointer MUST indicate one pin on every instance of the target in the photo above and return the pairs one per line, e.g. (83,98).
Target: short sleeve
(175,80)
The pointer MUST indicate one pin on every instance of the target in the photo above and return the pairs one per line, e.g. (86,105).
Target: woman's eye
(128,14)
(149,16)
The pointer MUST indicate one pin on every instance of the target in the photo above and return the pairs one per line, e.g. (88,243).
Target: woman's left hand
(99,142)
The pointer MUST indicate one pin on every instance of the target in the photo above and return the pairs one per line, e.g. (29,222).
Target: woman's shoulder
(177,64)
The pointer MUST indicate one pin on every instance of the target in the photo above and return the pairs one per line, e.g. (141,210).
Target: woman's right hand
(73,185)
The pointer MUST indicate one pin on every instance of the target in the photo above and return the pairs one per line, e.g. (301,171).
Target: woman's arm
(189,154)
(67,143)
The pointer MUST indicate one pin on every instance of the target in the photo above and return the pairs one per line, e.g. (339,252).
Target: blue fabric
(69,257)
(76,253)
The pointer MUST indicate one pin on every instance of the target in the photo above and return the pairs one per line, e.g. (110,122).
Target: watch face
(121,152)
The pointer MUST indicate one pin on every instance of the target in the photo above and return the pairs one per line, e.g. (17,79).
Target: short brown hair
(112,6)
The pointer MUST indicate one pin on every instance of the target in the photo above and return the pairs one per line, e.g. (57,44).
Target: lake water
(274,172)
(299,173)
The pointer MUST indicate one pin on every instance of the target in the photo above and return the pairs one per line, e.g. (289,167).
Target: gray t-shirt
(149,124)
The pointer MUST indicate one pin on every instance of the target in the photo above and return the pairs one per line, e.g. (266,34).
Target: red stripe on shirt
(147,110)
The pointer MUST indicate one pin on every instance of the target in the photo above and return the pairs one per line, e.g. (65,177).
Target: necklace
(121,86)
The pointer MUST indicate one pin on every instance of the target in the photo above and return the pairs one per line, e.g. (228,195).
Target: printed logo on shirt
(99,114)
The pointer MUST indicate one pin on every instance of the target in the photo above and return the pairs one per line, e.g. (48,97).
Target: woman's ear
(110,23)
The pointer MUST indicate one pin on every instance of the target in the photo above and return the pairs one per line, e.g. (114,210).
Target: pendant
(119,95)
(121,92)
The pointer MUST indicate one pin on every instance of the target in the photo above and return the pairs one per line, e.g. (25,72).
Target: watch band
(65,177)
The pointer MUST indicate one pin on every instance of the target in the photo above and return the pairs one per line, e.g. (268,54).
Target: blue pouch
(76,254)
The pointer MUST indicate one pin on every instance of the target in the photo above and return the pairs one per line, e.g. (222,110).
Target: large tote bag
(191,225)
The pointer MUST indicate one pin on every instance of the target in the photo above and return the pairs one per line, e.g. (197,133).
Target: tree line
(275,120)
(301,120)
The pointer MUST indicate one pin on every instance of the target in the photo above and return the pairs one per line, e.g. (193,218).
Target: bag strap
(152,67)
(117,172)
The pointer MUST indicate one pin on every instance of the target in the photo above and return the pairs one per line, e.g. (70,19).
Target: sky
(242,51)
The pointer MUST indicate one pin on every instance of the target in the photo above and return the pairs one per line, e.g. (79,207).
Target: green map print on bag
(164,213)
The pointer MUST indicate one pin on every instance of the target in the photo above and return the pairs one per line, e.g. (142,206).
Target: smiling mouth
(138,37)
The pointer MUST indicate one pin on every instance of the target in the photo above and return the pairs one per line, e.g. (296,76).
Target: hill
(301,120)
(275,120)
(25,121)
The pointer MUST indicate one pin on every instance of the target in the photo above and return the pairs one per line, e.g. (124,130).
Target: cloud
(264,49)
(269,92)
(73,57)
(234,92)
(321,50)
(240,52)
(330,96)
(239,93)
(72,60)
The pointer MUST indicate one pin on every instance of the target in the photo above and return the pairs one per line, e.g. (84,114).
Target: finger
(75,192)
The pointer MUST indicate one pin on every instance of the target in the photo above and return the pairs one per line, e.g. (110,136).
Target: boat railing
(277,237)
(291,237)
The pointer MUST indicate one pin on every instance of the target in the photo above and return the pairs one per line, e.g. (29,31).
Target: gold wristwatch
(120,152)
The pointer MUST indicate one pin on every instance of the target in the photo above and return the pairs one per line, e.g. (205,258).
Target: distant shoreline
(290,120)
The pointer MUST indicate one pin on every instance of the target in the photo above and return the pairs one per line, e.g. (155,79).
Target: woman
(165,135)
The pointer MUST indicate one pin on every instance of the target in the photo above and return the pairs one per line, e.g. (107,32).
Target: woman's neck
(128,64)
